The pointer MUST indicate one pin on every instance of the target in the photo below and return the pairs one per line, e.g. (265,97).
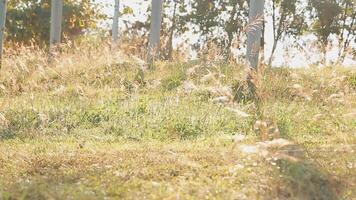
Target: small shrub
(202,95)
(129,86)
(187,130)
(113,129)
(183,129)
(173,82)
(20,121)
(352,81)
(142,108)
(23,119)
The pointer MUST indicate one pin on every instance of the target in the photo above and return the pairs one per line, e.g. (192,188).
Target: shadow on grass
(302,178)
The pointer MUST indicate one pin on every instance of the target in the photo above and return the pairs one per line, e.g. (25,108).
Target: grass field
(91,125)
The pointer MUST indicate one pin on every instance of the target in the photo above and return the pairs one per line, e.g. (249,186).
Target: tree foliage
(218,21)
(334,17)
(287,20)
(197,23)
(28,21)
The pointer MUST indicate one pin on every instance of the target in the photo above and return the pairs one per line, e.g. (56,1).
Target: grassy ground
(90,126)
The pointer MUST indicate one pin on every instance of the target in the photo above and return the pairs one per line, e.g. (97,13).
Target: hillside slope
(93,124)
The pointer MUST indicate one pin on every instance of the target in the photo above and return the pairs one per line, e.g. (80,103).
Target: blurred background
(297,33)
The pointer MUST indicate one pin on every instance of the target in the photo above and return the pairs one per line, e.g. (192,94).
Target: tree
(347,28)
(334,18)
(2,26)
(254,35)
(286,20)
(171,32)
(56,22)
(323,15)
(115,25)
(28,21)
(254,32)
(156,20)
(217,21)
(212,21)
(139,30)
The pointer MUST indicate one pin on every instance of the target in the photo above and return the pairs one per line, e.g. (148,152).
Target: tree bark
(255,33)
(56,22)
(115,25)
(155,29)
(2,26)
(263,42)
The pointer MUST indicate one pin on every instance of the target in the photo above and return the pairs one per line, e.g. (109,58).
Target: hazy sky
(297,58)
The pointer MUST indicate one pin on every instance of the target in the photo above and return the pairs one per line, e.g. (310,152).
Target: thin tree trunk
(255,33)
(270,60)
(154,39)
(342,32)
(115,25)
(346,43)
(274,32)
(263,42)
(324,52)
(277,33)
(56,22)
(274,18)
(170,42)
(230,33)
(2,26)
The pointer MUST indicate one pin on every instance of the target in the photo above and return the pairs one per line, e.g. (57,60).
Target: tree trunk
(270,60)
(263,42)
(170,42)
(115,25)
(277,34)
(254,35)
(154,39)
(56,22)
(230,33)
(344,43)
(2,26)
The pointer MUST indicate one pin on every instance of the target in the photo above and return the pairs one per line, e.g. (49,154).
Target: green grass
(87,128)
